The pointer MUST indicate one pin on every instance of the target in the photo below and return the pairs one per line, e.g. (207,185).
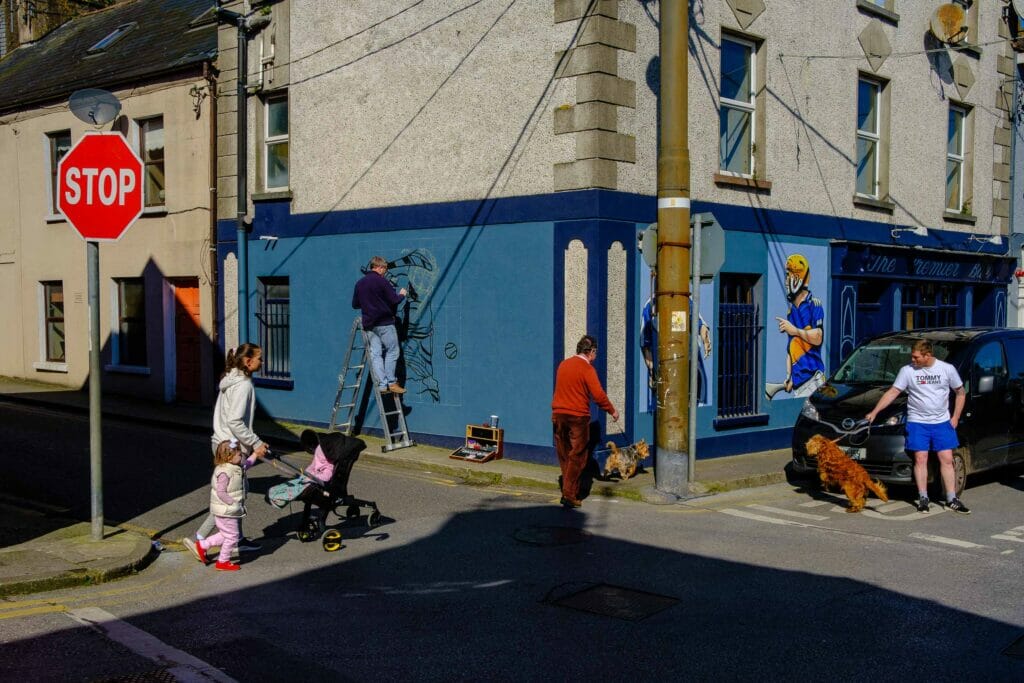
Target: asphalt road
(471,583)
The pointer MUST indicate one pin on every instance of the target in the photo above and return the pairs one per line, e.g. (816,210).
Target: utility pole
(672,289)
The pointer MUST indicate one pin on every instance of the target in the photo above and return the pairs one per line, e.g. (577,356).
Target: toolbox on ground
(483,444)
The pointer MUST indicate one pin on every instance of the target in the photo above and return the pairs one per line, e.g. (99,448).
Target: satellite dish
(94,106)
(949,23)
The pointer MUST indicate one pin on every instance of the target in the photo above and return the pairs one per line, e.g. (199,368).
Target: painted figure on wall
(804,324)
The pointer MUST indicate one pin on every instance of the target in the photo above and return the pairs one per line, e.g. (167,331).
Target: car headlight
(809,411)
(897,419)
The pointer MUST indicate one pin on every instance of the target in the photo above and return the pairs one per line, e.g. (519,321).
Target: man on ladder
(378,301)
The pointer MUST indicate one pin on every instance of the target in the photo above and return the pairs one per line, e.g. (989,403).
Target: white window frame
(269,140)
(53,214)
(749,107)
(136,132)
(875,137)
(44,364)
(115,330)
(959,157)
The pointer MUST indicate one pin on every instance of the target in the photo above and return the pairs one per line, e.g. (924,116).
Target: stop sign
(99,186)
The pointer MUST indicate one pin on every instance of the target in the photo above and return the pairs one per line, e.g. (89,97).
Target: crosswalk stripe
(762,518)
(1007,537)
(814,503)
(889,507)
(790,513)
(947,541)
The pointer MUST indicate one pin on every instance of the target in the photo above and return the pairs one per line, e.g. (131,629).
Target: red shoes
(227,566)
(194,548)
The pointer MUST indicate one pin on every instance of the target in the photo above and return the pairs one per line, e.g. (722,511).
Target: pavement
(42,549)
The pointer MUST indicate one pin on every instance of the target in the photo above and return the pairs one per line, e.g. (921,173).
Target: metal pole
(698,225)
(243,179)
(95,416)
(672,464)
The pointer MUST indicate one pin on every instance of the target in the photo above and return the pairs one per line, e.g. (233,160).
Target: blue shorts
(922,436)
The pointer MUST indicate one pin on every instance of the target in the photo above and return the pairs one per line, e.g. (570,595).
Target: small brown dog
(836,468)
(625,460)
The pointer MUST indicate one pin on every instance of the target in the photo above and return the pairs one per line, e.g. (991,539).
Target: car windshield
(879,361)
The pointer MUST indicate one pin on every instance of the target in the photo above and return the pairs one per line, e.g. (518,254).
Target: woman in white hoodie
(232,419)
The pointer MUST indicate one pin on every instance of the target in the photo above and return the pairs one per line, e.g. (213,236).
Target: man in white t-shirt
(928,381)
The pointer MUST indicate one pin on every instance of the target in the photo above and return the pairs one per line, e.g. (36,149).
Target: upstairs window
(955,146)
(868,137)
(737,107)
(111,38)
(275,152)
(58,144)
(151,149)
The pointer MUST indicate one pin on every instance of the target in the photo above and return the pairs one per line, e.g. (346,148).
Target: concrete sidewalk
(40,550)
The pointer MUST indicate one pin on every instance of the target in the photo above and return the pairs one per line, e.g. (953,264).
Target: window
(868,130)
(53,320)
(736,127)
(930,305)
(738,338)
(955,158)
(151,149)
(112,38)
(274,319)
(130,336)
(58,145)
(971,19)
(276,143)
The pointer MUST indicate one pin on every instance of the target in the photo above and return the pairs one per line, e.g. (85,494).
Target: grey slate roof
(168,38)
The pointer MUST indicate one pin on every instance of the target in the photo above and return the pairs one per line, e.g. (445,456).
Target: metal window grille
(274,318)
(738,338)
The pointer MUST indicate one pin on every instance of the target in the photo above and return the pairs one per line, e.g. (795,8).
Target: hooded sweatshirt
(232,416)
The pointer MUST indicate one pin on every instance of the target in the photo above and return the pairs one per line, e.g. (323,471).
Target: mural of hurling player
(804,323)
(417,272)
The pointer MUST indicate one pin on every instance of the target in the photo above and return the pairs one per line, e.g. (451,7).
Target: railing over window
(274,318)
(738,335)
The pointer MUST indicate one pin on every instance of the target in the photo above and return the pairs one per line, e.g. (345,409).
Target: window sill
(872,203)
(272,195)
(720,423)
(154,211)
(869,7)
(127,369)
(267,383)
(743,181)
(959,217)
(50,366)
(56,218)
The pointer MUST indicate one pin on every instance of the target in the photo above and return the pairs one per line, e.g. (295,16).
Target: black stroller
(342,451)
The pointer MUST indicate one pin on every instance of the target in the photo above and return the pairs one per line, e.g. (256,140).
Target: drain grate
(551,535)
(1015,649)
(618,602)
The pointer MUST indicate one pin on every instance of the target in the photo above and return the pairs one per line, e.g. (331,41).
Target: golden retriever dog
(626,460)
(836,469)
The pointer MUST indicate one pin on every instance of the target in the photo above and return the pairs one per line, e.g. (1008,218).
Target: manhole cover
(617,602)
(1016,649)
(551,535)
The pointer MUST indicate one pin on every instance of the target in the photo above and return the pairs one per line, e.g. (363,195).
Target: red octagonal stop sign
(99,186)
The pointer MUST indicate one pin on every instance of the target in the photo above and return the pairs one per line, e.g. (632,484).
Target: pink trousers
(226,536)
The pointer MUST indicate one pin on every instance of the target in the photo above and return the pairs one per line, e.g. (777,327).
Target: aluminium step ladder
(350,387)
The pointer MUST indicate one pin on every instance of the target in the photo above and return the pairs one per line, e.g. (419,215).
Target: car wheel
(961,465)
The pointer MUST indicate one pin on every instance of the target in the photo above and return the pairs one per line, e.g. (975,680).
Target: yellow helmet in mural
(798,274)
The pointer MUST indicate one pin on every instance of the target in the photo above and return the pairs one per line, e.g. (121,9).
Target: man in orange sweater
(576,384)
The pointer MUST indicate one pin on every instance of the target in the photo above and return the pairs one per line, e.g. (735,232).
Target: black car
(991,430)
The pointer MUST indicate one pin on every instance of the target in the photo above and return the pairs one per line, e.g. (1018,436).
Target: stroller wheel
(332,541)
(352,512)
(373,519)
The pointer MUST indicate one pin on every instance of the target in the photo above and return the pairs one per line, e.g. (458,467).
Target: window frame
(750,107)
(744,357)
(118,320)
(874,137)
(47,286)
(276,346)
(53,164)
(140,142)
(272,140)
(959,157)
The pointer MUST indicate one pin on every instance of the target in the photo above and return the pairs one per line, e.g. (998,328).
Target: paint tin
(494,422)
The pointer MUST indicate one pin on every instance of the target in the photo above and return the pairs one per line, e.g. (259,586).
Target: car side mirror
(986,384)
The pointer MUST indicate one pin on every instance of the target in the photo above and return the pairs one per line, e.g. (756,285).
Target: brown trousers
(572,434)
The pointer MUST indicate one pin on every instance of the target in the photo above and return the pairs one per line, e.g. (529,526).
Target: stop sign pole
(99,191)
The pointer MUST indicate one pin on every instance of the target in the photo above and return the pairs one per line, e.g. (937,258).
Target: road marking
(1007,537)
(183,666)
(780,511)
(762,518)
(912,516)
(889,507)
(44,609)
(947,541)
(815,503)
